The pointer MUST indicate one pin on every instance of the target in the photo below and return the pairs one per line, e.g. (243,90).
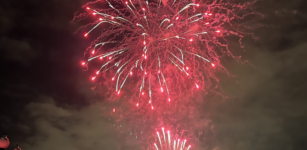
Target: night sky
(47,102)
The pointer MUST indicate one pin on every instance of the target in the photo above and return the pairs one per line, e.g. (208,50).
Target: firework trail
(163,47)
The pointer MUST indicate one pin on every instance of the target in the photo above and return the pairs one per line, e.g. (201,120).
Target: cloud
(52,127)
(270,109)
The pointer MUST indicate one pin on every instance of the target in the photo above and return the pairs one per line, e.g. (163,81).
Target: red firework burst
(167,46)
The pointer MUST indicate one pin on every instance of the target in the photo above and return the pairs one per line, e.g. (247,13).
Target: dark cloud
(17,50)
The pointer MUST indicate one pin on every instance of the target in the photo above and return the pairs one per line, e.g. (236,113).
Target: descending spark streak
(189,147)
(159,138)
(174,144)
(184,8)
(162,37)
(166,19)
(156,146)
(163,134)
(169,139)
(169,26)
(132,4)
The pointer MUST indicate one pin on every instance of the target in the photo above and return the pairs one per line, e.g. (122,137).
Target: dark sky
(46,101)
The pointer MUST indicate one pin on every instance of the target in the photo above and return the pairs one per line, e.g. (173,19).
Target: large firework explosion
(163,47)
(154,54)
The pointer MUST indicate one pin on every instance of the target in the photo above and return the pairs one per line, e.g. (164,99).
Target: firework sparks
(171,142)
(167,45)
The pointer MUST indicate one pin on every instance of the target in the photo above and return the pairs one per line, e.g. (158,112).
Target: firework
(167,47)
(167,141)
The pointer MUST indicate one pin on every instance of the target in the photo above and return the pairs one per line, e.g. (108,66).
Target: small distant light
(93,52)
(144,42)
(101,58)
(85,35)
(113,79)
(131,73)
(145,57)
(88,8)
(149,101)
(126,2)
(152,107)
(145,72)
(97,72)
(207,23)
(118,92)
(143,9)
(142,93)
(162,128)
(188,74)
(197,86)
(210,14)
(137,24)
(94,13)
(112,17)
(110,57)
(197,5)
(206,13)
(161,89)
(169,99)
(100,19)
(113,109)
(191,40)
(187,68)
(218,31)
(159,71)
(93,78)
(177,18)
(137,104)
(213,65)
(83,63)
